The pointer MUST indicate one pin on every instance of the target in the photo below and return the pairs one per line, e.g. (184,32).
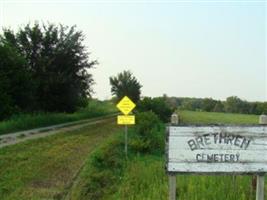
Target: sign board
(126,105)
(126,119)
(217,149)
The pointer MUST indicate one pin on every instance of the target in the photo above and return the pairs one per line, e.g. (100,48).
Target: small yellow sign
(126,105)
(126,119)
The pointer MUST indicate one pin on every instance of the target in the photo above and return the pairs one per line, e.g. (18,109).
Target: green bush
(109,156)
(147,135)
(106,165)
(158,105)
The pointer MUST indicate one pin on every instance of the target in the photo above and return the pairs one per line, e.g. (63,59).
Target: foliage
(28,121)
(147,133)
(145,176)
(125,84)
(15,82)
(208,104)
(189,117)
(55,61)
(45,168)
(158,105)
(232,104)
(101,173)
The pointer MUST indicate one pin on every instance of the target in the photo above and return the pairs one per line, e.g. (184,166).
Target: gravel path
(14,138)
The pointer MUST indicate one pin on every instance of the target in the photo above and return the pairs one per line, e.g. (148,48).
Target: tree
(208,104)
(158,105)
(125,84)
(219,107)
(234,104)
(58,63)
(15,83)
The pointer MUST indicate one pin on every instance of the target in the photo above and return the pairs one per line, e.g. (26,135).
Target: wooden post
(172,187)
(260,178)
(172,177)
(260,187)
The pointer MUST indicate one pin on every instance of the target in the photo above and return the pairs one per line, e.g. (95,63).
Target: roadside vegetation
(45,168)
(44,68)
(232,104)
(21,122)
(188,117)
(46,80)
(109,175)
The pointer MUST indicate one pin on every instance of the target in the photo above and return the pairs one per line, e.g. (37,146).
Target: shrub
(147,136)
(106,164)
(158,105)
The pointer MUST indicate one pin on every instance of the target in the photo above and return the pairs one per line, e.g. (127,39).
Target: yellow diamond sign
(126,105)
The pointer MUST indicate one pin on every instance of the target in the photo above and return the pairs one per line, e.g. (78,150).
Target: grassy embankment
(143,176)
(45,168)
(29,121)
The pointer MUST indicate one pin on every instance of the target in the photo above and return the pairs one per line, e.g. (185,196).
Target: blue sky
(181,48)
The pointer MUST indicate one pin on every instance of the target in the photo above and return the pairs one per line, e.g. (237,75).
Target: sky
(194,48)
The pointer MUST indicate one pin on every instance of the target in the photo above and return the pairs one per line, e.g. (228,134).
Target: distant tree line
(233,104)
(43,68)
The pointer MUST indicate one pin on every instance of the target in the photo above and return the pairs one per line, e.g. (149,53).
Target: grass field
(144,176)
(45,168)
(69,166)
(29,121)
(191,117)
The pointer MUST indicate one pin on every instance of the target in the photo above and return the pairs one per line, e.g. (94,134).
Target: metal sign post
(126,142)
(126,106)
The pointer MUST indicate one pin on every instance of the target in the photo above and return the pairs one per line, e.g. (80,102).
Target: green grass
(191,117)
(101,173)
(45,168)
(53,168)
(29,121)
(145,178)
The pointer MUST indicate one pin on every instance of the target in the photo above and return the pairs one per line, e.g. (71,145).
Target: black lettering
(245,143)
(232,158)
(216,138)
(237,157)
(222,155)
(200,142)
(226,157)
(210,158)
(197,157)
(238,141)
(207,139)
(216,159)
(192,144)
(222,137)
(230,139)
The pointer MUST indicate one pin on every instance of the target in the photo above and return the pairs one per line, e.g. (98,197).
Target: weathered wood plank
(248,168)
(222,149)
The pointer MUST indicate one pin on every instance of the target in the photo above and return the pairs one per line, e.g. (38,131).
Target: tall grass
(145,178)
(44,168)
(29,121)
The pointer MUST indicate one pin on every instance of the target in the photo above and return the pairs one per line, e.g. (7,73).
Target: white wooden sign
(217,149)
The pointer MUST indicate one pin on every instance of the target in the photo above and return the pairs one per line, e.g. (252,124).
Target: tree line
(43,68)
(232,104)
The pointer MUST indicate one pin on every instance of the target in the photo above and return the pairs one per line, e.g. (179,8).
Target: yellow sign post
(126,106)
